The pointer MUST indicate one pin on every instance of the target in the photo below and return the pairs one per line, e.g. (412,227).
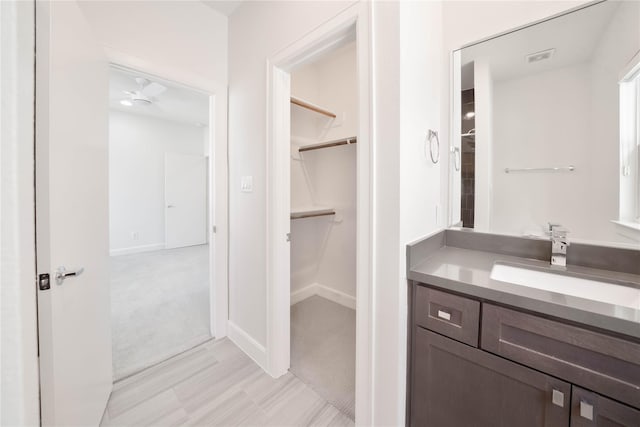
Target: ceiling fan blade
(153,89)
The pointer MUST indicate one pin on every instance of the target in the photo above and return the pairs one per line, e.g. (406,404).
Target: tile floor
(216,384)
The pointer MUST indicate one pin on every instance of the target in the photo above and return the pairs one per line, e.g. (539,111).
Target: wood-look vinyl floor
(216,384)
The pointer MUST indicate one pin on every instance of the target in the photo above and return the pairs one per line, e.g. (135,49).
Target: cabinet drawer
(605,364)
(450,315)
(455,385)
(590,409)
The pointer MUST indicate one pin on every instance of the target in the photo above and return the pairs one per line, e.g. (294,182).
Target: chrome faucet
(559,244)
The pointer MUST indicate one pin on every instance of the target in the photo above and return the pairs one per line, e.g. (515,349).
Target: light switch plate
(246,184)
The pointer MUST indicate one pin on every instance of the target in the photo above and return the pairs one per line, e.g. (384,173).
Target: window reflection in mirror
(540,127)
(630,145)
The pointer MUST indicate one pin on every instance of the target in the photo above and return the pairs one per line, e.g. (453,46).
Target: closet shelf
(335,143)
(313,107)
(309,212)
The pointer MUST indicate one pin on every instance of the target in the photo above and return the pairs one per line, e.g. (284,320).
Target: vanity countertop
(467,270)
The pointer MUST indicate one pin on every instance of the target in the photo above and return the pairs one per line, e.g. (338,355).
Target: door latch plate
(43,282)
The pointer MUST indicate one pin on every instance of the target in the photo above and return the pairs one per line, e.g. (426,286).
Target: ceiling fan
(145,95)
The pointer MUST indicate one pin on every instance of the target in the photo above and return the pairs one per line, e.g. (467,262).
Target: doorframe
(19,352)
(454,179)
(322,39)
(218,197)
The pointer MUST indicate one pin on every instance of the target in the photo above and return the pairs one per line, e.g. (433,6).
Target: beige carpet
(159,306)
(323,350)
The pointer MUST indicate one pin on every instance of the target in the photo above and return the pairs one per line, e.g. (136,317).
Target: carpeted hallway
(323,350)
(159,306)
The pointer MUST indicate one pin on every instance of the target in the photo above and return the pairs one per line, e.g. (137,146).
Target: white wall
(137,145)
(408,191)
(180,35)
(470,21)
(323,250)
(19,405)
(539,121)
(330,82)
(387,290)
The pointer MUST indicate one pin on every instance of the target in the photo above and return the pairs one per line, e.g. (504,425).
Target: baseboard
(246,343)
(324,292)
(137,249)
(304,293)
(337,296)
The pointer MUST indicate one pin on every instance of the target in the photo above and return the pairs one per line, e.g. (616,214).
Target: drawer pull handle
(557,398)
(586,410)
(444,315)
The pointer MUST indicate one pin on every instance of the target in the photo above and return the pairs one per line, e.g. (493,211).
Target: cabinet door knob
(586,410)
(444,315)
(557,398)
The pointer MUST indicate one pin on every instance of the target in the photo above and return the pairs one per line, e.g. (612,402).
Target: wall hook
(456,158)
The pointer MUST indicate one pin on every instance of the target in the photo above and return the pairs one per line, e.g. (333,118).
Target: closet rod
(337,142)
(312,107)
(310,215)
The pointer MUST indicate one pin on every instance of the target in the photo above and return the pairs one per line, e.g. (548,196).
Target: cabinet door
(596,361)
(456,385)
(589,409)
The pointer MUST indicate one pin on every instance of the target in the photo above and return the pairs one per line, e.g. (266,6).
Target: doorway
(72,209)
(159,143)
(351,26)
(324,126)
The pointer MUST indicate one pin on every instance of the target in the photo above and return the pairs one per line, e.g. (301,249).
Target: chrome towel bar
(556,169)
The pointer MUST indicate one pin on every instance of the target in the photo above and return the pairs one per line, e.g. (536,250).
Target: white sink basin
(568,285)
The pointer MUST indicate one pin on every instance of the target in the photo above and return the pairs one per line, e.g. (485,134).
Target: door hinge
(44,282)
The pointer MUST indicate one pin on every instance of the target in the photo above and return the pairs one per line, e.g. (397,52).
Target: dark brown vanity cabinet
(477,364)
(457,385)
(590,409)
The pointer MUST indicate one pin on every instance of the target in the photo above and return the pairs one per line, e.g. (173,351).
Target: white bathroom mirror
(545,128)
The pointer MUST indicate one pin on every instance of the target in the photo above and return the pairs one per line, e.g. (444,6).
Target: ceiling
(177,103)
(226,7)
(573,36)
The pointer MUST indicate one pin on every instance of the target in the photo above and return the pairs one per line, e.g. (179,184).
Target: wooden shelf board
(313,107)
(337,142)
(310,212)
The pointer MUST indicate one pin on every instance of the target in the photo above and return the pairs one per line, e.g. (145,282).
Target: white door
(72,217)
(185,195)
